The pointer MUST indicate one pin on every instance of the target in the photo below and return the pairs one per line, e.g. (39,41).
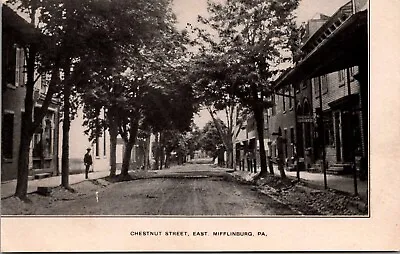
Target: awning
(345,102)
(346,47)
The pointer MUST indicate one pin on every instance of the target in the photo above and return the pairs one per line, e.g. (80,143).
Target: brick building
(333,107)
(16,36)
(333,70)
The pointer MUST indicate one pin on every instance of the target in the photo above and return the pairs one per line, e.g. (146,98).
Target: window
(97,148)
(292,135)
(7,132)
(316,85)
(48,138)
(290,98)
(342,75)
(297,88)
(324,83)
(274,105)
(353,70)
(323,80)
(283,100)
(19,67)
(44,83)
(9,52)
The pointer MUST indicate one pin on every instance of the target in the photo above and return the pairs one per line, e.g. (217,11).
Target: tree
(51,55)
(211,140)
(252,40)
(193,140)
(144,90)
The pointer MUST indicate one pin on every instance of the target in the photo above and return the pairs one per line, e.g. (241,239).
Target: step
(314,170)
(44,191)
(42,175)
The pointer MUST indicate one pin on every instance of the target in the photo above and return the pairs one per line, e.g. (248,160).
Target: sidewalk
(8,188)
(336,182)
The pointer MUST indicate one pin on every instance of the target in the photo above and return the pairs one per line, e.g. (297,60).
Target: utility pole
(322,128)
(295,131)
(353,164)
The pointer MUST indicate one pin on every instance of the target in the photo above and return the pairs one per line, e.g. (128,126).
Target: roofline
(11,20)
(281,80)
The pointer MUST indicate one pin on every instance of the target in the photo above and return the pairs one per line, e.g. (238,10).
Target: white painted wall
(79,142)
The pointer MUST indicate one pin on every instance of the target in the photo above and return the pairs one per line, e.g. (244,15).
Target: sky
(188,10)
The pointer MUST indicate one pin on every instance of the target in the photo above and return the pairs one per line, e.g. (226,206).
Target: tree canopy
(249,45)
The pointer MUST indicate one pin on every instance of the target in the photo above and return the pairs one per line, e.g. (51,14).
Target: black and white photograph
(182,109)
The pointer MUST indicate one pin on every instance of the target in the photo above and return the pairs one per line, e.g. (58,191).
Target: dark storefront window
(37,143)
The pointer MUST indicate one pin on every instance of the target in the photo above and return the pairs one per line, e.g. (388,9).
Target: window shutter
(17,67)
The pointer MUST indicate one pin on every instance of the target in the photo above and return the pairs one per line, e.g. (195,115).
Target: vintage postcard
(195,125)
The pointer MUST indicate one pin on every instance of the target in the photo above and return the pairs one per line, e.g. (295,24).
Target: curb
(48,187)
(357,205)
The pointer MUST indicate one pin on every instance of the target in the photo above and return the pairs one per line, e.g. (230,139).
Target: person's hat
(88,148)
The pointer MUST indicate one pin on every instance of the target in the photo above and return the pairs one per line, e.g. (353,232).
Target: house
(246,148)
(79,142)
(321,104)
(16,37)
(100,147)
(333,108)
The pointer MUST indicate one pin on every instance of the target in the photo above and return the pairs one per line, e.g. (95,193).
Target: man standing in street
(87,160)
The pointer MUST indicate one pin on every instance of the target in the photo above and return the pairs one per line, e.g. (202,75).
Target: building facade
(331,91)
(321,104)
(16,37)
(100,148)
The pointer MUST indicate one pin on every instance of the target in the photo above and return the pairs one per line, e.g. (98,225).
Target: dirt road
(189,190)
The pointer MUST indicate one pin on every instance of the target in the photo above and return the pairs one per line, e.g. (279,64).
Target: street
(184,190)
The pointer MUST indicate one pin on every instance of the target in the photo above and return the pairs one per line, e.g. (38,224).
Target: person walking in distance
(87,160)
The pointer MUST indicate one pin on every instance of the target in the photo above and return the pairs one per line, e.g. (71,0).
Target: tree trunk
(23,166)
(259,117)
(113,142)
(127,157)
(160,151)
(146,161)
(279,144)
(27,129)
(167,159)
(229,157)
(66,129)
(225,137)
(133,130)
(156,150)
